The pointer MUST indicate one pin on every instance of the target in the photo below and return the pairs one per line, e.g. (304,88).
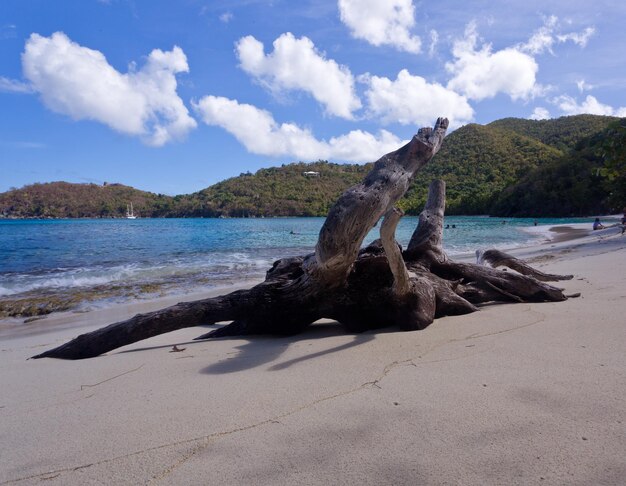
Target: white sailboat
(129,212)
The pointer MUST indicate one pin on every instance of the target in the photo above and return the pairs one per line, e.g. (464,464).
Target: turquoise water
(184,254)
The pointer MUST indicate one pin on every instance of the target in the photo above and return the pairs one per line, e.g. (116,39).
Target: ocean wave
(19,284)
(176,271)
(186,253)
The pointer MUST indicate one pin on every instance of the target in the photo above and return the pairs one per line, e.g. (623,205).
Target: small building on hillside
(311,173)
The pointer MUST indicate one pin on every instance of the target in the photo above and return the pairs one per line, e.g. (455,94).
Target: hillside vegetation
(561,133)
(590,179)
(277,191)
(68,200)
(510,167)
(477,162)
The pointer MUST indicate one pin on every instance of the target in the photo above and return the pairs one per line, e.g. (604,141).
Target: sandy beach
(513,394)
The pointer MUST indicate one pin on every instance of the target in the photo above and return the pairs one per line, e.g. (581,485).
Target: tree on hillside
(614,164)
(589,179)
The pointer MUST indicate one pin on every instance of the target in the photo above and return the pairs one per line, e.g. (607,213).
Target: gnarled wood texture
(362,288)
(496,258)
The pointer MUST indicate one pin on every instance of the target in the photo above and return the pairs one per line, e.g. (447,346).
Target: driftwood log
(362,288)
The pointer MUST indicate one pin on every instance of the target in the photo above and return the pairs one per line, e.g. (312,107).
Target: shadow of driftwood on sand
(261,350)
(357,340)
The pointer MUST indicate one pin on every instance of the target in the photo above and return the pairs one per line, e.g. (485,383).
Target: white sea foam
(20,283)
(224,265)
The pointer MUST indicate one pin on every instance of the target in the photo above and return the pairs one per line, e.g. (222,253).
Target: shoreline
(96,218)
(14,327)
(567,233)
(21,325)
(512,394)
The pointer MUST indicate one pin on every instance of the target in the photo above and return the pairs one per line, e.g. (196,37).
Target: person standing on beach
(624,222)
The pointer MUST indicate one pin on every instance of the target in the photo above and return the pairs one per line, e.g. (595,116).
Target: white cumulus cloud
(382,22)
(540,113)
(296,64)
(226,17)
(14,86)
(434,40)
(412,100)
(544,38)
(570,106)
(257,130)
(578,38)
(79,82)
(583,85)
(478,73)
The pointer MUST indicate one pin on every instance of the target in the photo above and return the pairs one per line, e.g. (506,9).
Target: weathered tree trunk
(369,288)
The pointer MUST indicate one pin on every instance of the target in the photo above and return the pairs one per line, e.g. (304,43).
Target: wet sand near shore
(567,233)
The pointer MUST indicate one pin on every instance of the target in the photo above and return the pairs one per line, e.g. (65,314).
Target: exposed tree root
(369,288)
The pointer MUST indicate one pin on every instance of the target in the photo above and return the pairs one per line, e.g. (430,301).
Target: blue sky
(172,97)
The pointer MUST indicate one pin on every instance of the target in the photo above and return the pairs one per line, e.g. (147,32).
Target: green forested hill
(562,133)
(566,166)
(590,179)
(277,191)
(67,200)
(282,191)
(477,162)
